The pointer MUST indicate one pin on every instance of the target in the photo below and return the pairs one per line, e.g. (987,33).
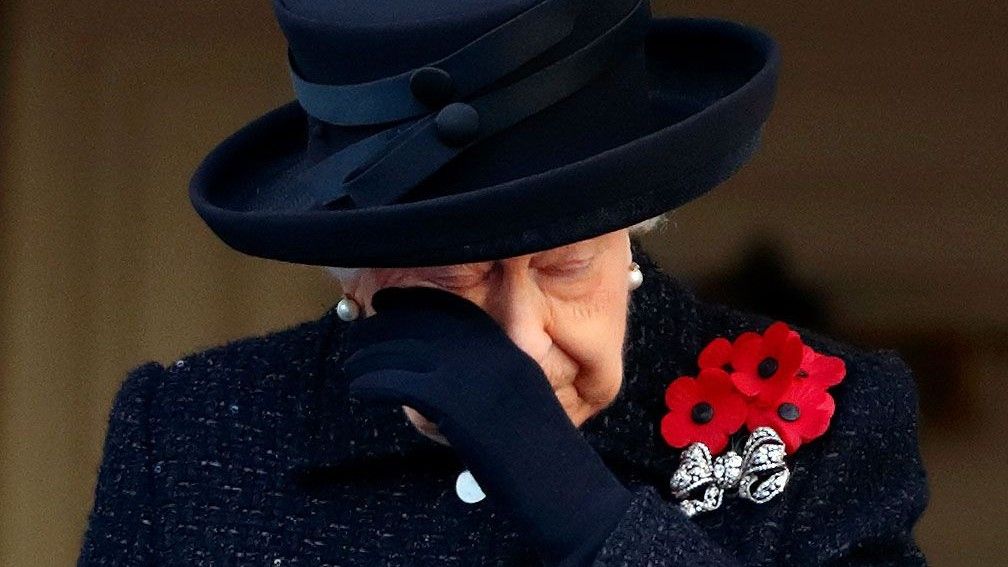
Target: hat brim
(712,85)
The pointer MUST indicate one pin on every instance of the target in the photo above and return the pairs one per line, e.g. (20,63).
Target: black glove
(442,355)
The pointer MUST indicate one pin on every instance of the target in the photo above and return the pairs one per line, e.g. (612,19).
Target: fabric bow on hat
(771,382)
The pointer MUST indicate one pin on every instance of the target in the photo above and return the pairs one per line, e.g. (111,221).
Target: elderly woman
(508,379)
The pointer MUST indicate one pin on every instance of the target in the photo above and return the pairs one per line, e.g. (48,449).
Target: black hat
(428,132)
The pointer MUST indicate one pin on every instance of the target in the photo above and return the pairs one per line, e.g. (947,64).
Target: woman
(509,379)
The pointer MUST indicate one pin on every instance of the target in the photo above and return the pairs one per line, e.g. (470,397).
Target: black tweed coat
(251,453)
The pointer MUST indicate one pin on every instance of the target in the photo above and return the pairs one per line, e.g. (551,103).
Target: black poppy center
(703,412)
(767,367)
(727,367)
(788,411)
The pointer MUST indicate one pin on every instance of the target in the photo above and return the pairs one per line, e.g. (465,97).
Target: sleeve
(861,494)
(120,523)
(656,532)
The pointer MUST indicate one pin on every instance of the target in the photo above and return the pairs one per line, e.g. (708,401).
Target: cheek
(591,338)
(591,331)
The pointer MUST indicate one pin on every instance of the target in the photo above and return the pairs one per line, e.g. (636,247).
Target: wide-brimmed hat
(428,132)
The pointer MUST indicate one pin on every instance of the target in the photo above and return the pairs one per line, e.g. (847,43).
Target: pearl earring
(347,309)
(636,276)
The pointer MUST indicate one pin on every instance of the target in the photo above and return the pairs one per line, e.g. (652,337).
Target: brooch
(772,383)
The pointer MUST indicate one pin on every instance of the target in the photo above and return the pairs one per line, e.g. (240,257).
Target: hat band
(414,93)
(383,168)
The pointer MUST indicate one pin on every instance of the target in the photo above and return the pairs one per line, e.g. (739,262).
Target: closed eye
(569,269)
(462,281)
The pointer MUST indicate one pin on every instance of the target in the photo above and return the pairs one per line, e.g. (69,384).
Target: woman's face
(566,307)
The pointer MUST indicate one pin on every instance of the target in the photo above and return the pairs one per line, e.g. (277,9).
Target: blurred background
(874,212)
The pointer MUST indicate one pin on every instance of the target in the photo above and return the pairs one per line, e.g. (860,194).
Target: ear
(351,282)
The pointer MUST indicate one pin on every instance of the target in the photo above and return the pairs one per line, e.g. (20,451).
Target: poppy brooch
(772,383)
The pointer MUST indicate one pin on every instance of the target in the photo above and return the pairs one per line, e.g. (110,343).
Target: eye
(570,269)
(456,280)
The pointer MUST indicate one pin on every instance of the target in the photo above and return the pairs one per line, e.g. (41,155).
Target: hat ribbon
(484,60)
(382,168)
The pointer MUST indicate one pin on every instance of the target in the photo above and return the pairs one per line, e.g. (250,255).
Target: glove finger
(399,354)
(399,386)
(423,299)
(386,326)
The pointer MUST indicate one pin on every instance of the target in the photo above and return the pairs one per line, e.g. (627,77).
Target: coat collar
(343,436)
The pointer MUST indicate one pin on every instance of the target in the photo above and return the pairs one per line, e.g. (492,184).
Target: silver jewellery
(758,474)
(348,309)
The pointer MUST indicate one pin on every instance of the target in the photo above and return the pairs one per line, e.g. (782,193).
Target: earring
(347,309)
(636,276)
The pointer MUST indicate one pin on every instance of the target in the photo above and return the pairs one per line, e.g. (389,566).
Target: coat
(251,453)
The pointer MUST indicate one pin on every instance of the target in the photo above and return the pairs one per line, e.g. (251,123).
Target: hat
(428,132)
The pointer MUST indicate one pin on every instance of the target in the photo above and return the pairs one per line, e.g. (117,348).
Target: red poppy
(717,354)
(821,369)
(801,414)
(706,409)
(763,366)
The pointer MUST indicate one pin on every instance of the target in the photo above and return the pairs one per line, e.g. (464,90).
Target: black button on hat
(432,86)
(457,124)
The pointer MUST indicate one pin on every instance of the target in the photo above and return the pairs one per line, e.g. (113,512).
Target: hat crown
(551,79)
(356,41)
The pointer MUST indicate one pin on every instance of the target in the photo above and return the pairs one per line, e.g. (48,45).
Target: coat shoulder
(878,384)
(666,312)
(289,354)
(670,326)
(239,398)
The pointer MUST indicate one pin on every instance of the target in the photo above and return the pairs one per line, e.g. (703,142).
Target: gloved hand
(442,355)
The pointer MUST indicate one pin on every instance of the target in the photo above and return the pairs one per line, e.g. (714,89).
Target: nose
(522,310)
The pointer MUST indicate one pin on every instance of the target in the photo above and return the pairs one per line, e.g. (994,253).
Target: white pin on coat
(468,489)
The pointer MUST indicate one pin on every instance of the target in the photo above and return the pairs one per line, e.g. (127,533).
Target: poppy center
(788,411)
(727,367)
(702,413)
(767,367)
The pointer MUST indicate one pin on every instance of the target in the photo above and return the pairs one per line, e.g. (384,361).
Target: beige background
(883,174)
